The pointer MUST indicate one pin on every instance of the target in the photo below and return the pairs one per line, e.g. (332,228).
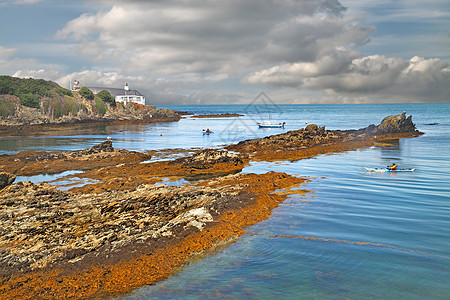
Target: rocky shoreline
(227,115)
(127,229)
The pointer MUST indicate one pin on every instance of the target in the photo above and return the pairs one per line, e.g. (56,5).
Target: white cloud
(225,37)
(188,51)
(371,76)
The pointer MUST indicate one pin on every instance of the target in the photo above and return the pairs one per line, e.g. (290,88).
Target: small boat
(388,170)
(269,124)
(207,132)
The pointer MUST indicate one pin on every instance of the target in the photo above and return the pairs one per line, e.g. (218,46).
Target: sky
(229,51)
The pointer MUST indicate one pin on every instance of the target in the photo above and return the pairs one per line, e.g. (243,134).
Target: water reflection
(390,150)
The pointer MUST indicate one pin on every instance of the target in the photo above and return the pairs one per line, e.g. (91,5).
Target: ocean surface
(356,235)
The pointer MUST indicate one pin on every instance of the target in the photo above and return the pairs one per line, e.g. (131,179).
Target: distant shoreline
(227,115)
(8,131)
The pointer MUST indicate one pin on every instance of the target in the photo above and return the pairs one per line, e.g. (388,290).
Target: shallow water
(358,235)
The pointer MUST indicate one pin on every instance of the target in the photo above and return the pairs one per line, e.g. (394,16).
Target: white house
(124,95)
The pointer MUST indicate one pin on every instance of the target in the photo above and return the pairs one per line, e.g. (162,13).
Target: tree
(106,97)
(87,93)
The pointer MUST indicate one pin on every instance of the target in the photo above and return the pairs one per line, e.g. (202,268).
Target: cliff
(38,102)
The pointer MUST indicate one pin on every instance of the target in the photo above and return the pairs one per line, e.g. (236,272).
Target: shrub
(29,100)
(7,108)
(62,91)
(5,85)
(100,106)
(87,93)
(70,106)
(106,97)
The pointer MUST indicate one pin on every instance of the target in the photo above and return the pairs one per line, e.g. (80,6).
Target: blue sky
(218,52)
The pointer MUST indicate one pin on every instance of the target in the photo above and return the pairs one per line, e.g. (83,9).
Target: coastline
(7,131)
(227,115)
(238,208)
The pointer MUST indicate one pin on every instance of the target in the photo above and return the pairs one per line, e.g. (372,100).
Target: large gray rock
(396,124)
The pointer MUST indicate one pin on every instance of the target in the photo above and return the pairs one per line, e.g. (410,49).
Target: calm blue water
(376,236)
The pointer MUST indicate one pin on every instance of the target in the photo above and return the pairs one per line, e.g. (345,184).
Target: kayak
(388,170)
(207,132)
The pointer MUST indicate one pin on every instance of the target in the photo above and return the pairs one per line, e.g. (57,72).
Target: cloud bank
(180,51)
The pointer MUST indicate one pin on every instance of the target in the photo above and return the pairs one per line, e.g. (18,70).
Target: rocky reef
(56,244)
(30,163)
(314,140)
(126,228)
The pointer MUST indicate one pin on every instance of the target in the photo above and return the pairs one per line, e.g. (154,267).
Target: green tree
(5,85)
(87,93)
(106,97)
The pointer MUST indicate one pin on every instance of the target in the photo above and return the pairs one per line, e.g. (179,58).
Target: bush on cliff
(29,90)
(64,92)
(106,97)
(16,86)
(100,106)
(7,108)
(87,93)
(29,100)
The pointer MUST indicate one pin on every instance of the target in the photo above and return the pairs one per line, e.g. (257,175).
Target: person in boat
(393,167)
(208,131)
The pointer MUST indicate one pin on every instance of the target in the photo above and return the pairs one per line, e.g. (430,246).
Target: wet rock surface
(30,163)
(52,242)
(43,226)
(313,140)
(207,158)
(6,179)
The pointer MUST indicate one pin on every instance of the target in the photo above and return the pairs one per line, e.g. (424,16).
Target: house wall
(130,98)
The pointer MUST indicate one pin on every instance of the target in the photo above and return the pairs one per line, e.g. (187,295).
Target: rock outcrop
(30,163)
(208,157)
(314,140)
(6,179)
(396,124)
(71,245)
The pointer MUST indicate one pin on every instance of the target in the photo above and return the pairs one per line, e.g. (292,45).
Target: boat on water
(388,170)
(207,132)
(269,124)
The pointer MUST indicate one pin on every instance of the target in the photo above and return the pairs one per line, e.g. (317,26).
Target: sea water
(356,235)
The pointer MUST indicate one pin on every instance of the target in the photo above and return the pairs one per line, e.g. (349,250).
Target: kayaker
(393,166)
